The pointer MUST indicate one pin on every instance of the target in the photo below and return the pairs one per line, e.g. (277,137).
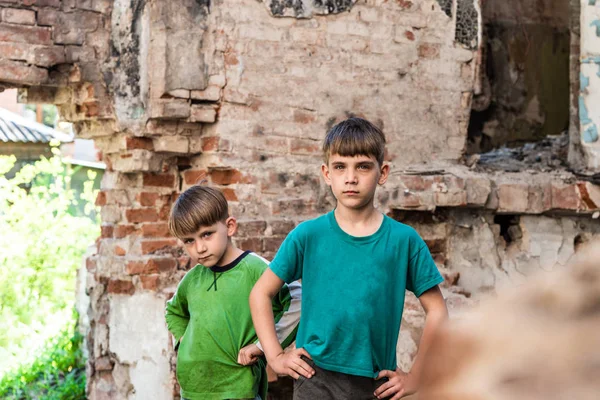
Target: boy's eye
(338,167)
(363,167)
(188,241)
(206,234)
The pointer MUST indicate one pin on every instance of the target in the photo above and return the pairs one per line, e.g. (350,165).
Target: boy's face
(209,245)
(353,180)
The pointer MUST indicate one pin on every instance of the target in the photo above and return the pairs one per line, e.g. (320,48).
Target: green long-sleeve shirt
(209,317)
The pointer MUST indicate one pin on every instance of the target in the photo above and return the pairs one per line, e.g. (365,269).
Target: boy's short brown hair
(198,206)
(353,137)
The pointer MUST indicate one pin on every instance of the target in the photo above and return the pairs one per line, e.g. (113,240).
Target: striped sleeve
(286,311)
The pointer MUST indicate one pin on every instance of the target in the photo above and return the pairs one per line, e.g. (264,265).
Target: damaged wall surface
(589,96)
(525,76)
(240,93)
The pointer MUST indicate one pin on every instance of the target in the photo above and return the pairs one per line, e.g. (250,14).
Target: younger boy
(355,264)
(209,316)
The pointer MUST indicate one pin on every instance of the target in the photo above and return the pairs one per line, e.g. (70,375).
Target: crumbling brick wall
(240,93)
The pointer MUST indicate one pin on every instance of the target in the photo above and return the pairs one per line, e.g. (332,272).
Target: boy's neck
(231,253)
(358,222)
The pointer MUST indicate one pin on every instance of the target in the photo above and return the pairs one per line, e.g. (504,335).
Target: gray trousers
(330,385)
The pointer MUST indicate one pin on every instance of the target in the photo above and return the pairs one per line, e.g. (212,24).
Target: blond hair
(353,137)
(198,206)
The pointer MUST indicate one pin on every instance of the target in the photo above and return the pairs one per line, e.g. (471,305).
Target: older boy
(209,314)
(355,264)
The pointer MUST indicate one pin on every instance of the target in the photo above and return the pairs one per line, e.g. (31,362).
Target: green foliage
(58,372)
(42,244)
(49,113)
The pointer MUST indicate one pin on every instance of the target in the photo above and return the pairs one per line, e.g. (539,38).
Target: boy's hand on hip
(249,354)
(290,363)
(399,384)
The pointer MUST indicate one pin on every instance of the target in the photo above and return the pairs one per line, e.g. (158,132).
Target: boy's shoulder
(253,260)
(312,226)
(405,232)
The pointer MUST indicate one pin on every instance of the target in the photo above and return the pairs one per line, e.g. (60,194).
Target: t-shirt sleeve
(287,264)
(422,274)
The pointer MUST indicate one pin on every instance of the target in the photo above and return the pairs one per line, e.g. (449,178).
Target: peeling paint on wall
(591,134)
(589,96)
(596,24)
(307,8)
(467,23)
(585,82)
(446,6)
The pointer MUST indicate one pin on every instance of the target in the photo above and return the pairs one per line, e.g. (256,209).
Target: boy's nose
(350,177)
(200,247)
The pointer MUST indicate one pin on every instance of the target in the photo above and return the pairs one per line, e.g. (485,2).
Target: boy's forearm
(434,321)
(264,323)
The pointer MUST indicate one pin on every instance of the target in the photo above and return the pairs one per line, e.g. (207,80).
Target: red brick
(281,227)
(429,50)
(136,268)
(404,4)
(251,228)
(226,176)
(160,229)
(106,231)
(151,246)
(141,215)
(46,3)
(117,286)
(21,73)
(164,212)
(451,198)
(150,282)
(229,194)
(304,117)
(159,180)
(147,199)
(18,16)
(16,51)
(540,198)
(565,197)
(119,251)
(162,264)
(194,177)
(47,17)
(101,199)
(122,231)
(409,201)
(304,146)
(415,182)
(272,243)
(210,143)
(590,195)
(202,113)
(409,35)
(49,56)
(184,263)
(252,244)
(133,143)
(513,197)
(151,266)
(25,34)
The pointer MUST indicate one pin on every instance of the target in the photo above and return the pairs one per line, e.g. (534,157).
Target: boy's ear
(385,172)
(325,172)
(232,226)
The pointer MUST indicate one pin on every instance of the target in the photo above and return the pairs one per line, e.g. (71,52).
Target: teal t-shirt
(353,290)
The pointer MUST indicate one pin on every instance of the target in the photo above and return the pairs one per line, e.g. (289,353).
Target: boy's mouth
(350,192)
